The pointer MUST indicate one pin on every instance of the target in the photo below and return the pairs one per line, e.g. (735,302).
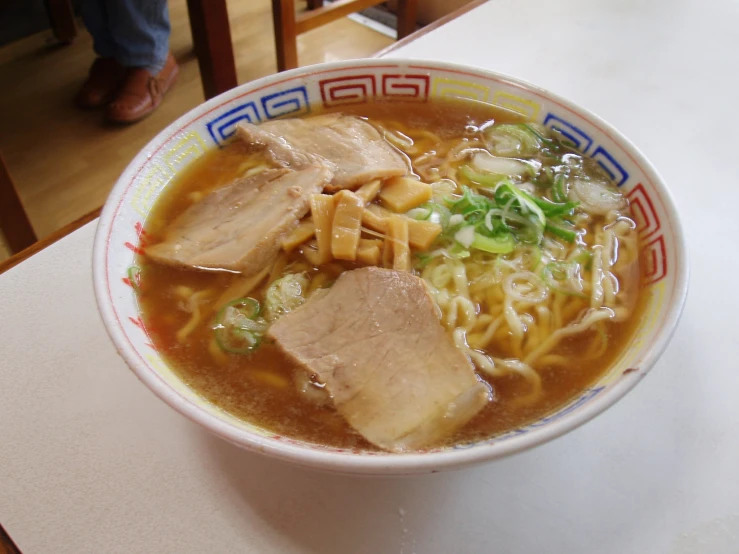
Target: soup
(523,245)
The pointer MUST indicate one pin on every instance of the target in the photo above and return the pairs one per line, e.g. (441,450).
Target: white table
(91,462)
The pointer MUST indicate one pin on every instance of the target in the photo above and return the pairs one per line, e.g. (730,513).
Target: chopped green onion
(558,190)
(560,276)
(456,219)
(493,245)
(559,229)
(503,194)
(285,295)
(433,212)
(552,209)
(465,236)
(482,179)
(458,252)
(497,165)
(583,256)
(423,259)
(538,135)
(238,328)
(513,140)
(134,277)
(419,214)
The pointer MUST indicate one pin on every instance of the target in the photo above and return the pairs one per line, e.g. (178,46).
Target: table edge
(7,546)
(430,27)
(48,240)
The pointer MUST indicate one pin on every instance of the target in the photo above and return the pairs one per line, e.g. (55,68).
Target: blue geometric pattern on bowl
(577,136)
(292,102)
(612,167)
(224,125)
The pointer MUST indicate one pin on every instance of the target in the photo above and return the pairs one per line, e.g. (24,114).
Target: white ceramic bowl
(300,91)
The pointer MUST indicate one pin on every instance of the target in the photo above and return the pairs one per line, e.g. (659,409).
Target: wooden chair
(288,24)
(14,223)
(61,18)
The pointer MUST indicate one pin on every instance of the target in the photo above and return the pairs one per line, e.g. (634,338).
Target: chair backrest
(288,25)
(14,222)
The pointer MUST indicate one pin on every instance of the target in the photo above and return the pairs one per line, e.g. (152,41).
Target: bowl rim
(384,463)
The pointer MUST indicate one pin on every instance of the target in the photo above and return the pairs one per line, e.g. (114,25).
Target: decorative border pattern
(355,89)
(611,166)
(643,212)
(446,87)
(514,103)
(292,102)
(655,260)
(153,181)
(405,87)
(364,84)
(571,132)
(185,150)
(224,126)
(649,226)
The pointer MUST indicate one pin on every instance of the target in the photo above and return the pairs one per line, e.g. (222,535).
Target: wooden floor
(64,161)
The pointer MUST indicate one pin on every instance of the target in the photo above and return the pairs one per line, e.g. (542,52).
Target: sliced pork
(239,227)
(353,148)
(375,341)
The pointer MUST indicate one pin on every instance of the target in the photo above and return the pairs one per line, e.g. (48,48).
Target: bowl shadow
(606,492)
(301,504)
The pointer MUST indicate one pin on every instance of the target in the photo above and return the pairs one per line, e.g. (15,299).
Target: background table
(90,461)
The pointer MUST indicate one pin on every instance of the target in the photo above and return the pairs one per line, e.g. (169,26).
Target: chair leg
(14,222)
(211,35)
(286,39)
(406,17)
(61,17)
(315,4)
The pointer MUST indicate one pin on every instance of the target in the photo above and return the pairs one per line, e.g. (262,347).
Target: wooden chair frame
(288,25)
(14,222)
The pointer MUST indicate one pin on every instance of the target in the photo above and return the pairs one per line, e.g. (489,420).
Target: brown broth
(248,386)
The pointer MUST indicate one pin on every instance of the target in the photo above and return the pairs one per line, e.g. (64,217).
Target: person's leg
(106,74)
(95,18)
(140,29)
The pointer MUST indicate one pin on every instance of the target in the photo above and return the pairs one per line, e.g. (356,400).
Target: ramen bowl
(303,91)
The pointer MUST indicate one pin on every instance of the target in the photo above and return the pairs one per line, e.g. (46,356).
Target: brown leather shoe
(142,93)
(105,79)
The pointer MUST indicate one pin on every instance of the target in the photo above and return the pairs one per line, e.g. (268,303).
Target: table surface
(90,461)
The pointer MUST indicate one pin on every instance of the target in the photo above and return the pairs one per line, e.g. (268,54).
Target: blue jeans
(134,32)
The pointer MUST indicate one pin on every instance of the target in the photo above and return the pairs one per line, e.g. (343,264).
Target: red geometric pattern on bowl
(642,209)
(360,89)
(649,225)
(355,89)
(654,256)
(405,87)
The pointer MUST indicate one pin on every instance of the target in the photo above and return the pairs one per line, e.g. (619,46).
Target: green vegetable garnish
(558,190)
(562,230)
(284,295)
(494,245)
(560,276)
(134,277)
(514,140)
(238,327)
(489,180)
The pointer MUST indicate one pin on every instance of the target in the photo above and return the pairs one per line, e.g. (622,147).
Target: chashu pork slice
(352,147)
(239,227)
(375,341)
